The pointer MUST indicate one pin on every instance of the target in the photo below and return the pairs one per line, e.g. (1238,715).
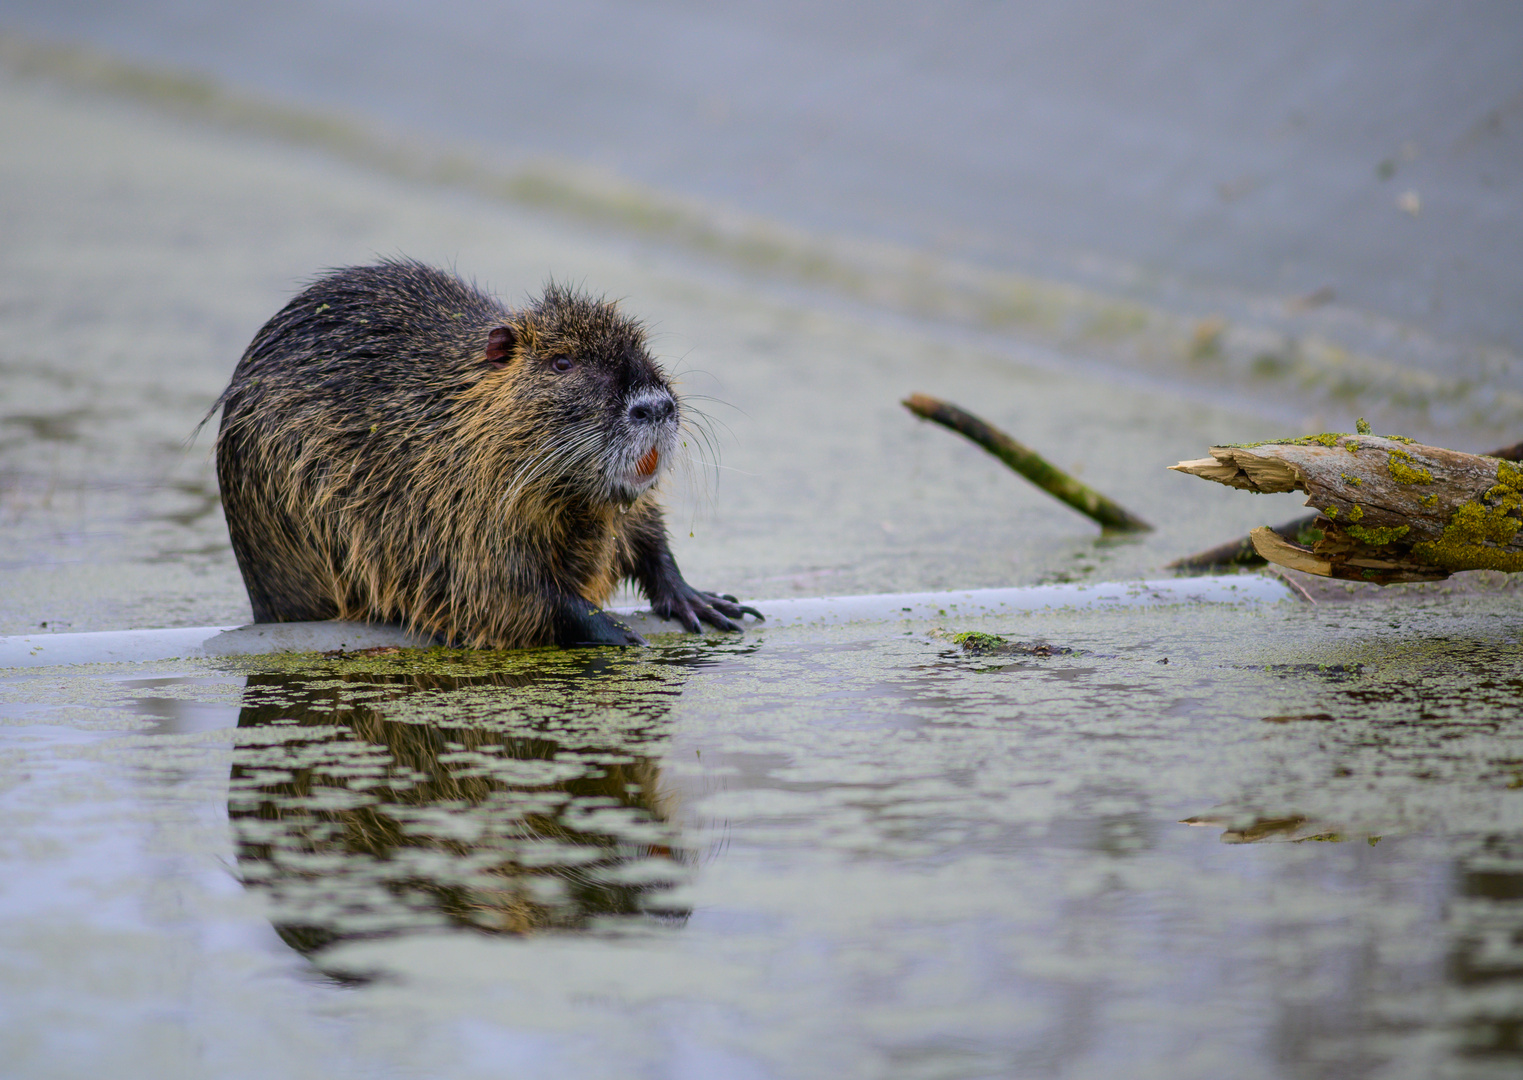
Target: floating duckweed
(1405,471)
(1380,537)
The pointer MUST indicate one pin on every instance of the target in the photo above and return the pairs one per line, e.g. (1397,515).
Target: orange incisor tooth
(649,462)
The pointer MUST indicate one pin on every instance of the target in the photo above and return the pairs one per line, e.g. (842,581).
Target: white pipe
(141,646)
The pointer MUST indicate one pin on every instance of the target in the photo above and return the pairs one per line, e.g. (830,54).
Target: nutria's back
(397,446)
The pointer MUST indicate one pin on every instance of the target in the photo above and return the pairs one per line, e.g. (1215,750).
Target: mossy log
(1304,530)
(1391,509)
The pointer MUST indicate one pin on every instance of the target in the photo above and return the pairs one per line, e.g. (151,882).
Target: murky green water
(861,852)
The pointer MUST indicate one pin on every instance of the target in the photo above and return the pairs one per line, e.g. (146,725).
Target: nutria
(396,446)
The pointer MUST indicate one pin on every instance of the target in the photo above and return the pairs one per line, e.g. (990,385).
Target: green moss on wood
(1380,537)
(1405,471)
(1479,532)
(1328,439)
(1347,479)
(1355,514)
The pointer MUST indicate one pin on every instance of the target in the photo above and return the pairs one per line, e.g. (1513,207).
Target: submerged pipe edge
(142,646)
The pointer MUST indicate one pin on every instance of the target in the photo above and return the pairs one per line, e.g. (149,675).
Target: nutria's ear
(500,344)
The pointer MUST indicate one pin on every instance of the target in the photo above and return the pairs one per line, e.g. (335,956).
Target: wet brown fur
(383,457)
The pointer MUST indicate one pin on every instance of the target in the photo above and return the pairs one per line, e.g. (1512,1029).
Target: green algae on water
(976,641)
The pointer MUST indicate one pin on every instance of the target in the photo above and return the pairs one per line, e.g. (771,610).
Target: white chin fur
(629,485)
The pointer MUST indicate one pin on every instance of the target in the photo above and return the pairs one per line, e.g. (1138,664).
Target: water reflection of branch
(1294,829)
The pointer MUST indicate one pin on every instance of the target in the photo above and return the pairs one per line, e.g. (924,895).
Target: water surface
(1291,850)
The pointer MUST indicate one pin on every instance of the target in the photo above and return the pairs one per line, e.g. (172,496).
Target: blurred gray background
(1359,155)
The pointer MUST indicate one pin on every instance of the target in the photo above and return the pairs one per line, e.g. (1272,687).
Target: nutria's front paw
(692,605)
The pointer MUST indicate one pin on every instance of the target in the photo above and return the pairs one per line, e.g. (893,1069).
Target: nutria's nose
(652,408)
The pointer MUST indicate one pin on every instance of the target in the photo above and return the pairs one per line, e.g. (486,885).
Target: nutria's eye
(563,363)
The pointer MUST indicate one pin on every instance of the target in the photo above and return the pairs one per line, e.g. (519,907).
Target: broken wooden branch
(1303,530)
(1391,509)
(1241,552)
(1028,463)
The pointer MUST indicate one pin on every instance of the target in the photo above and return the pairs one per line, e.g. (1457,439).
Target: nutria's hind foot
(579,623)
(688,606)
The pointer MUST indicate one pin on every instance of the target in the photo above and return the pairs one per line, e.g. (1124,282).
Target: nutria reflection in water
(375,802)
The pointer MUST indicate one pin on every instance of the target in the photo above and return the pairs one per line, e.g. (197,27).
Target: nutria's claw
(719,611)
(732,607)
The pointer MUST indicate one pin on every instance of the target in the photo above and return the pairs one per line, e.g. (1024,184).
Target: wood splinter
(1391,509)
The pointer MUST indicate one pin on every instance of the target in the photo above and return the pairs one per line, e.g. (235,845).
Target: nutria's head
(588,408)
